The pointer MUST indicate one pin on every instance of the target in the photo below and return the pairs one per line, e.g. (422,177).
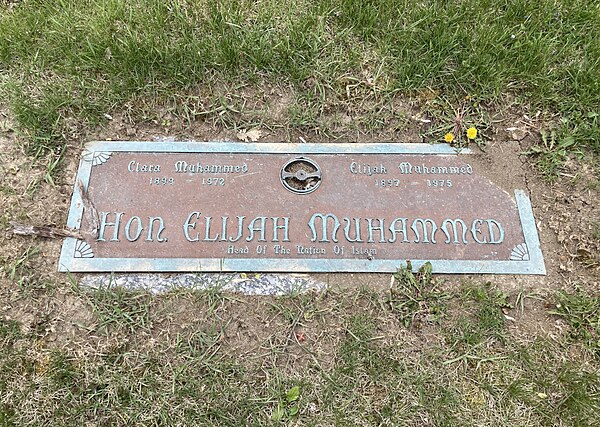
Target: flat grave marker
(195,206)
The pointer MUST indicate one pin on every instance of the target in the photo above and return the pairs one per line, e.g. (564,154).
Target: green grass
(116,306)
(581,310)
(418,355)
(64,60)
(415,297)
(366,367)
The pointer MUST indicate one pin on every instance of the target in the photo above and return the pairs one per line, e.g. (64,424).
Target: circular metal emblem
(301,175)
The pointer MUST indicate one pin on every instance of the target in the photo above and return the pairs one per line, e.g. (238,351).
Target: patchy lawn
(457,350)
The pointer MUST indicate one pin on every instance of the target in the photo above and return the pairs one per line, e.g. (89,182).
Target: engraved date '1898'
(162,181)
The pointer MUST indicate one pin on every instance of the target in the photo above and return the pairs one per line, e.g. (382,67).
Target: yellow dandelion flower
(471,133)
(449,137)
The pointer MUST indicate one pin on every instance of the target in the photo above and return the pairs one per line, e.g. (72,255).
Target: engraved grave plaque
(193,206)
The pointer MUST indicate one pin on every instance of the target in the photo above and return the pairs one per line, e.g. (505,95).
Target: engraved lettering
(357,237)
(240,229)
(232,249)
(395,230)
(161,228)
(134,166)
(284,227)
(207,237)
(138,232)
(104,224)
(224,220)
(476,228)
(424,223)
(359,250)
(324,235)
(252,229)
(497,225)
(367,168)
(310,250)
(454,229)
(181,166)
(405,168)
(281,250)
(371,228)
(189,225)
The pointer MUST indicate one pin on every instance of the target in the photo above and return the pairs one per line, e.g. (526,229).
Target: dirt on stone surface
(33,293)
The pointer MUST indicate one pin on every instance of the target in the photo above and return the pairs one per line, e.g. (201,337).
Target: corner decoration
(96,157)
(201,206)
(83,250)
(520,253)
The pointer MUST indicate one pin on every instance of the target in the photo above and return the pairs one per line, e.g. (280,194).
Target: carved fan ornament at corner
(520,253)
(83,250)
(96,157)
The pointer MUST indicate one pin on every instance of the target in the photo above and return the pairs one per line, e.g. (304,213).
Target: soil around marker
(565,214)
(560,245)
